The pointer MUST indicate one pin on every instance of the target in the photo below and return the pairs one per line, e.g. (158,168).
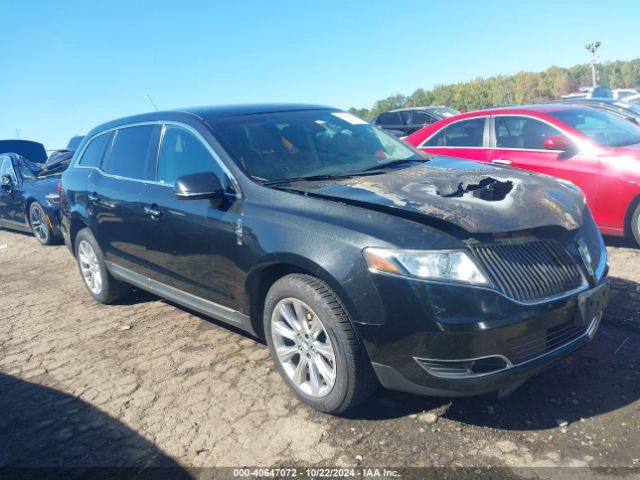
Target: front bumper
(470,341)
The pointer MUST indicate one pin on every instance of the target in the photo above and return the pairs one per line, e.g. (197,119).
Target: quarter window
(522,132)
(130,152)
(182,153)
(466,133)
(92,155)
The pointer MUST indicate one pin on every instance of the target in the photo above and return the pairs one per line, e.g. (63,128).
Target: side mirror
(559,142)
(198,185)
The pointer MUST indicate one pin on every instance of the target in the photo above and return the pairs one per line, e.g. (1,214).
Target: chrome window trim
(422,144)
(76,160)
(234,183)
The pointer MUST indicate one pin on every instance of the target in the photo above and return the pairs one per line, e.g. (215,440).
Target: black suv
(405,121)
(359,259)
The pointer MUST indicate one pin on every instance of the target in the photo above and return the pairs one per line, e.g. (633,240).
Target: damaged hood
(477,197)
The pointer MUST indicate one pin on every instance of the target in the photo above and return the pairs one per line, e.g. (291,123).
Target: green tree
(520,88)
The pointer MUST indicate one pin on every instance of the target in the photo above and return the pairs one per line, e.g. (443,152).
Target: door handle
(152,212)
(502,161)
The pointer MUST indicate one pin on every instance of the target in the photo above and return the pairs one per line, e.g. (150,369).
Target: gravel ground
(147,383)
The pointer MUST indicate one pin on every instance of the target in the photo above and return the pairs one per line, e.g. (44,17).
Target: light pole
(593,48)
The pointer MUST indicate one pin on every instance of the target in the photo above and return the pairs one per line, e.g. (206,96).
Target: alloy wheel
(303,347)
(39,223)
(89,267)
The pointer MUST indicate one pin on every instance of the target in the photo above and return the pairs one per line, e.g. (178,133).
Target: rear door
(467,138)
(518,141)
(115,192)
(194,244)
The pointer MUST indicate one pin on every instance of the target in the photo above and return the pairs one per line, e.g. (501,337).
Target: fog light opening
(465,368)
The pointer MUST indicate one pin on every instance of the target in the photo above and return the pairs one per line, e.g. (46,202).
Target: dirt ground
(147,383)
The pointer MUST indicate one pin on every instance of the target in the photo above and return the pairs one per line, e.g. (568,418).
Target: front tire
(314,345)
(635,225)
(102,286)
(39,222)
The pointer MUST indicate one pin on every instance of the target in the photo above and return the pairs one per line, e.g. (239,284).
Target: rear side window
(415,117)
(182,153)
(422,118)
(467,133)
(389,118)
(130,152)
(92,155)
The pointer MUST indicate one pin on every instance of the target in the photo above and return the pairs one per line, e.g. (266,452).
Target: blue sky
(70,65)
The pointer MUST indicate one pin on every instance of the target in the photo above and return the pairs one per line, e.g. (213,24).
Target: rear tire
(635,225)
(102,286)
(306,326)
(40,224)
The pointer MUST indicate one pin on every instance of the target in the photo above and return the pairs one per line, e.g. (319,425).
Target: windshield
(288,145)
(605,128)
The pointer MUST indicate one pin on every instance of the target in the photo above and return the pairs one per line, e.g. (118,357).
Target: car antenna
(152,103)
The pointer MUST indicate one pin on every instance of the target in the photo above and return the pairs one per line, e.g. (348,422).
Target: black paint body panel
(221,251)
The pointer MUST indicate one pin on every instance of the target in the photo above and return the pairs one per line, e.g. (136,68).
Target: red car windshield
(606,129)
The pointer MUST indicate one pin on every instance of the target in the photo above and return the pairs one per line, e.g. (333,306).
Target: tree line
(520,88)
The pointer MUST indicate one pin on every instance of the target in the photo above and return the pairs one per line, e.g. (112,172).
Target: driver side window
(522,132)
(182,153)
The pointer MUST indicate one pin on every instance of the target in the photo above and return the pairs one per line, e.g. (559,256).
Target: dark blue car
(29,198)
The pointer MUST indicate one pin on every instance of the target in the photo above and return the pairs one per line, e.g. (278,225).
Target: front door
(196,243)
(519,141)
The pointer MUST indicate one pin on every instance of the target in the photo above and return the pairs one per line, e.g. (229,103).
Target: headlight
(443,265)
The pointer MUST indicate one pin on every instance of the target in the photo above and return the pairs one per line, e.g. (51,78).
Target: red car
(593,149)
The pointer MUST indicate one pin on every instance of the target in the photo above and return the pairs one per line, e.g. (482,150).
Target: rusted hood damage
(479,198)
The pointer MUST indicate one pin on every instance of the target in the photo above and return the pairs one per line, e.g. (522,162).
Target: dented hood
(477,197)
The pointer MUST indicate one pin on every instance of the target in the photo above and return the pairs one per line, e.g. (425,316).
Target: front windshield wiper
(375,170)
(324,176)
(395,163)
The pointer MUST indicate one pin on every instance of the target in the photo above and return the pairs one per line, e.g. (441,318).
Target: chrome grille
(530,271)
